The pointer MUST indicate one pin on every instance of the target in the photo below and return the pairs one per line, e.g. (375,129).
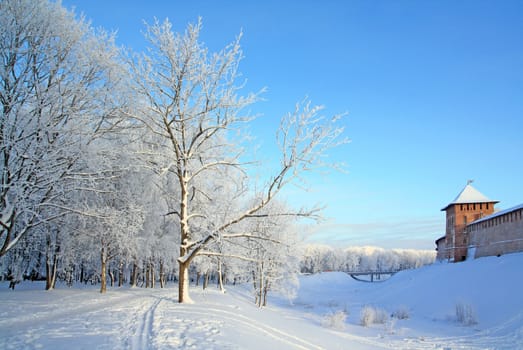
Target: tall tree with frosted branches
(57,93)
(192,102)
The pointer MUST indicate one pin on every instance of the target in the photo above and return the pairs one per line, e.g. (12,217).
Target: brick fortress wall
(501,234)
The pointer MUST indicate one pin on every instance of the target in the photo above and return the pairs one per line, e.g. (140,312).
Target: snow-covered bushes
(366,316)
(335,320)
(373,315)
(465,314)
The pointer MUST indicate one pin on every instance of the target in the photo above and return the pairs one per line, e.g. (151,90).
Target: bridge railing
(374,275)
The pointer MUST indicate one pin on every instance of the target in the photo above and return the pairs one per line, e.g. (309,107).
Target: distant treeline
(317,258)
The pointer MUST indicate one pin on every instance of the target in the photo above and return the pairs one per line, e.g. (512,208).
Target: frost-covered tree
(275,260)
(315,258)
(116,203)
(57,92)
(193,104)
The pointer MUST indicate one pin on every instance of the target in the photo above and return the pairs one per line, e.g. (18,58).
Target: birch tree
(57,92)
(194,103)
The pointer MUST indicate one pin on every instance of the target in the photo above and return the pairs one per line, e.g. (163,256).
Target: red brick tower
(468,206)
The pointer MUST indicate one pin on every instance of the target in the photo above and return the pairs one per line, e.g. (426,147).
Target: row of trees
(318,258)
(115,161)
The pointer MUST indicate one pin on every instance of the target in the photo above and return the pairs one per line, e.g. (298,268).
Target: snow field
(125,318)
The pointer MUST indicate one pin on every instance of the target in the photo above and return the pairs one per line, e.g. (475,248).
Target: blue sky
(433,91)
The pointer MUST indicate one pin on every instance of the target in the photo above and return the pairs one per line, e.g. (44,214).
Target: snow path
(142,323)
(161,322)
(138,319)
(51,319)
(256,326)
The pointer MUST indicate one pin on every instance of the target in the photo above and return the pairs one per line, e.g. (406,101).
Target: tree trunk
(103,274)
(162,275)
(152,272)
(70,276)
(265,291)
(82,273)
(51,262)
(220,276)
(255,287)
(50,271)
(261,285)
(183,283)
(146,272)
(120,274)
(111,277)
(183,273)
(134,275)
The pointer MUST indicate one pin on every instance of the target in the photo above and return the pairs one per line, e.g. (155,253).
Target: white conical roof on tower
(470,195)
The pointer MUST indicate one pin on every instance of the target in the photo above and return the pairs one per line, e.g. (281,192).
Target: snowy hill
(489,289)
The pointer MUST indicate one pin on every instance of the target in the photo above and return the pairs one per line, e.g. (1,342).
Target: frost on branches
(55,79)
(192,103)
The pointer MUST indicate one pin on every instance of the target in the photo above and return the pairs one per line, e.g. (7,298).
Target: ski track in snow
(143,325)
(284,337)
(163,323)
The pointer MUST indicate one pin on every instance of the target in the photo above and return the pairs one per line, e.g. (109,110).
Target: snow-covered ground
(152,319)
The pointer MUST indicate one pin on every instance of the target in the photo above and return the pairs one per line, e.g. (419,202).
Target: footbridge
(373,276)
